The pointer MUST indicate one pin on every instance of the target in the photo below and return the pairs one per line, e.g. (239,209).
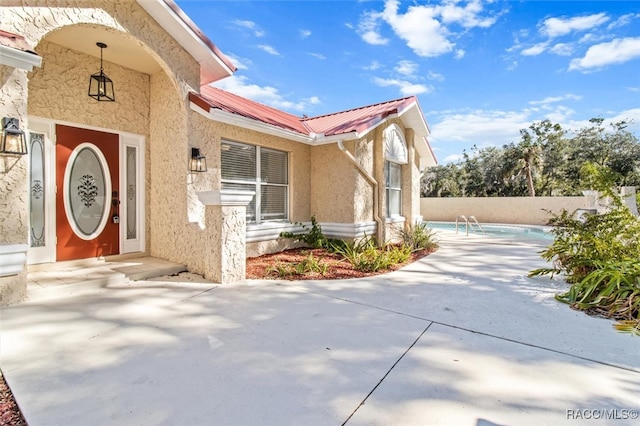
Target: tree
(545,161)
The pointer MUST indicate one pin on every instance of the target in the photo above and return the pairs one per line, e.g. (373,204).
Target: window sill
(395,219)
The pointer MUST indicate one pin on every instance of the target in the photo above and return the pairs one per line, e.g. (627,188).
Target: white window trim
(258,185)
(387,188)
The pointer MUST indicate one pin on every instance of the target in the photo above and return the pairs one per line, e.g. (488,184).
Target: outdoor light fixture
(13,140)
(198,162)
(101,86)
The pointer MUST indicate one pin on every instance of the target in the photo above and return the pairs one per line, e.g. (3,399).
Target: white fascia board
(186,37)
(248,123)
(19,59)
(323,140)
(412,115)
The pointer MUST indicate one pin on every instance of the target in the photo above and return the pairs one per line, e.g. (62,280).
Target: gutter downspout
(374,184)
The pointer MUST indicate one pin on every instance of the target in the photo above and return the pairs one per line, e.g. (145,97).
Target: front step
(144,268)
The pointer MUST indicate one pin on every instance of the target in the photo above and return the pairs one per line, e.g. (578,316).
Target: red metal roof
(354,120)
(357,120)
(226,101)
(15,41)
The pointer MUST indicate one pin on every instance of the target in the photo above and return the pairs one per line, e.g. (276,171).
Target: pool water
(527,232)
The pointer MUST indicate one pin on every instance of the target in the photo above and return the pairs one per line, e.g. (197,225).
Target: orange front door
(87,179)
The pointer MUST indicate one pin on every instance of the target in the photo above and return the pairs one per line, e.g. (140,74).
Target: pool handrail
(465,221)
(471,219)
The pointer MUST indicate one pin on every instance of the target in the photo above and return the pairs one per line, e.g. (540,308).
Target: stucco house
(129,149)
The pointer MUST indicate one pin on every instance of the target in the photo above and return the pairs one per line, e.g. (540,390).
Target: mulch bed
(9,412)
(338,268)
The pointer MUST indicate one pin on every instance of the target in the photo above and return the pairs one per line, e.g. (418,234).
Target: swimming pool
(514,232)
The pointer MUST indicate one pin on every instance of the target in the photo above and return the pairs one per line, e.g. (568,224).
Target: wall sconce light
(198,162)
(13,139)
(101,86)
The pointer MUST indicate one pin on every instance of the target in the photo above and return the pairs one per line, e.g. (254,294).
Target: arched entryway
(88,165)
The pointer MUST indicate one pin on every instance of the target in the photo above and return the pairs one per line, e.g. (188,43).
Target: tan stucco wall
(13,182)
(172,236)
(364,149)
(65,76)
(411,181)
(13,169)
(341,194)
(519,210)
(332,183)
(35,18)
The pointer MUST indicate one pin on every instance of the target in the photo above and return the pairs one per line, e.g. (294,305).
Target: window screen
(393,184)
(261,170)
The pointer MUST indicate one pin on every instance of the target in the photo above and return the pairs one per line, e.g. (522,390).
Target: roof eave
(213,64)
(249,123)
(19,58)
(412,115)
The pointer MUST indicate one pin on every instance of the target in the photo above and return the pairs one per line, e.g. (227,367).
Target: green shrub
(366,256)
(611,290)
(418,237)
(600,257)
(311,264)
(280,269)
(308,265)
(579,247)
(312,238)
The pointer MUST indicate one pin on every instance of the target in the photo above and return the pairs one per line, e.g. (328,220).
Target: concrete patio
(461,337)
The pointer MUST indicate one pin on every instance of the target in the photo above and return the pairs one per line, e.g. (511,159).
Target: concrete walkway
(461,337)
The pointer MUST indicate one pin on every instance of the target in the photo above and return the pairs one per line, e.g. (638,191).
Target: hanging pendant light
(101,86)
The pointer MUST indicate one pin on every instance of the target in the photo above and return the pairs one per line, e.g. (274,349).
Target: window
(261,170)
(393,185)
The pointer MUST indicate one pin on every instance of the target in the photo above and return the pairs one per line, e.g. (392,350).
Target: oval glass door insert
(87,191)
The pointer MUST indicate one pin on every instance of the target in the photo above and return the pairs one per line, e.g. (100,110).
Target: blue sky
(482,70)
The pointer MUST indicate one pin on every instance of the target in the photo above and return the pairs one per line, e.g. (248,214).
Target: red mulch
(258,267)
(9,412)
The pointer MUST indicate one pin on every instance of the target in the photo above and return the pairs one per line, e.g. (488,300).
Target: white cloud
(369,27)
(556,99)
(431,75)
(374,65)
(535,49)
(305,33)
(556,27)
(407,88)
(250,25)
(267,95)
(562,49)
(425,28)
(318,55)
(480,127)
(467,16)
(616,51)
(269,49)
(406,68)
(240,63)
(420,28)
(631,116)
(623,20)
(453,158)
